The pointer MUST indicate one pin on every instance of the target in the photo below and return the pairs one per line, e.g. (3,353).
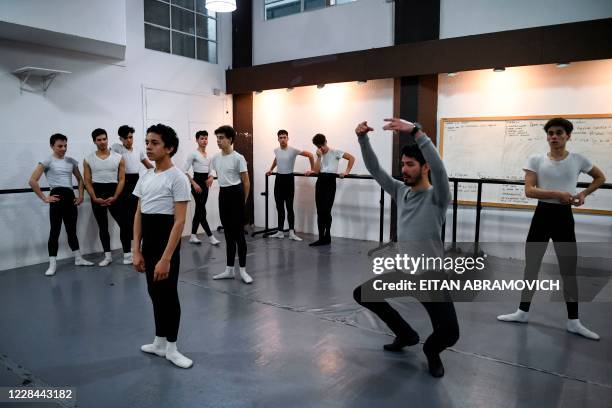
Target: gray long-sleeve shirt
(420,214)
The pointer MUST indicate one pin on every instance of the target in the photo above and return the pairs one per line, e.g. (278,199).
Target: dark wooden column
(415,98)
(242,54)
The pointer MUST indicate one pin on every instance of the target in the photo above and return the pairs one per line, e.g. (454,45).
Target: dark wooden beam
(581,41)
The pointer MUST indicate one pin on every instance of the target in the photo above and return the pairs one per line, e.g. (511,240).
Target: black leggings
(284,187)
(63,210)
(106,190)
(556,222)
(200,204)
(441,313)
(156,230)
(231,210)
(129,203)
(325,193)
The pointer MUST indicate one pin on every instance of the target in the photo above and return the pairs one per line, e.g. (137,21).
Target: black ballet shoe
(316,243)
(436,368)
(399,343)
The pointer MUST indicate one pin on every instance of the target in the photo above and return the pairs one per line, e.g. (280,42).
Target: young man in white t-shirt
(163,195)
(284,183)
(133,160)
(59,170)
(234,186)
(325,188)
(551,178)
(104,176)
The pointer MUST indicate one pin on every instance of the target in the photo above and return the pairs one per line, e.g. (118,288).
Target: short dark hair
(125,130)
(412,150)
(564,123)
(282,132)
(226,131)
(55,137)
(319,140)
(97,132)
(200,133)
(168,136)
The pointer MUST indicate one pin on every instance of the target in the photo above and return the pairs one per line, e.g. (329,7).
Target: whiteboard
(499,147)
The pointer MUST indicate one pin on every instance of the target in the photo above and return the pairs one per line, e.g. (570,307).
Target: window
(181,27)
(280,8)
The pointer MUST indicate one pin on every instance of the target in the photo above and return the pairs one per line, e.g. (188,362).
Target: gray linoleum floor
(294,338)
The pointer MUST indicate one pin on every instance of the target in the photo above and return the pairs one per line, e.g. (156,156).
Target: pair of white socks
(78,261)
(573,325)
(163,348)
(229,274)
(281,235)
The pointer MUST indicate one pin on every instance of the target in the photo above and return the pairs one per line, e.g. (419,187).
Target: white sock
(52,266)
(158,347)
(294,237)
(214,240)
(79,260)
(108,258)
(194,239)
(246,278)
(574,326)
(519,316)
(127,258)
(173,355)
(279,234)
(227,274)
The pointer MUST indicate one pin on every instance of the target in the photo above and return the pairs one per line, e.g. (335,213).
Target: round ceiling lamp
(221,6)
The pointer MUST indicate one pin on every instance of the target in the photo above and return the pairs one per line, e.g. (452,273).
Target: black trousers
(199,218)
(64,211)
(325,193)
(284,189)
(156,230)
(231,211)
(129,203)
(106,190)
(556,222)
(439,307)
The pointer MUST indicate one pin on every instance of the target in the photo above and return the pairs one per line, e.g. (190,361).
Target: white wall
(98,93)
(468,17)
(334,111)
(77,25)
(347,27)
(581,88)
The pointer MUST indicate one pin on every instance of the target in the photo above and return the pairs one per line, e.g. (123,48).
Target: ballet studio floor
(294,338)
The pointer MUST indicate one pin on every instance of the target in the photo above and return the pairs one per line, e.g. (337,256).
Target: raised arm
(439,178)
(317,166)
(387,182)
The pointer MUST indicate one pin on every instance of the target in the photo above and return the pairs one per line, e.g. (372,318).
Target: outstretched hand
(398,124)
(362,129)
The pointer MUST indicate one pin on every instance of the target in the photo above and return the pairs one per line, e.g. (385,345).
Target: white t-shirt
(104,170)
(228,168)
(560,175)
(132,158)
(159,191)
(285,159)
(59,171)
(199,163)
(330,161)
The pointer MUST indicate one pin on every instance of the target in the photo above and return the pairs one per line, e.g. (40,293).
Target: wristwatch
(417,127)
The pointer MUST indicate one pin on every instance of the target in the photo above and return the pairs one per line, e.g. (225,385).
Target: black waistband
(62,191)
(131,176)
(236,187)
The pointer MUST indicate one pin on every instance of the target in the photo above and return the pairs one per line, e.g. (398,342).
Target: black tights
(231,211)
(284,188)
(64,211)
(199,217)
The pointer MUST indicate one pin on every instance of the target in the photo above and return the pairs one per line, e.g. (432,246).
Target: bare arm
(77,174)
(269,172)
(162,269)
(532,191)
(317,166)
(33,182)
(598,179)
(147,164)
(246,183)
(121,180)
(349,166)
(138,260)
(306,153)
(87,181)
